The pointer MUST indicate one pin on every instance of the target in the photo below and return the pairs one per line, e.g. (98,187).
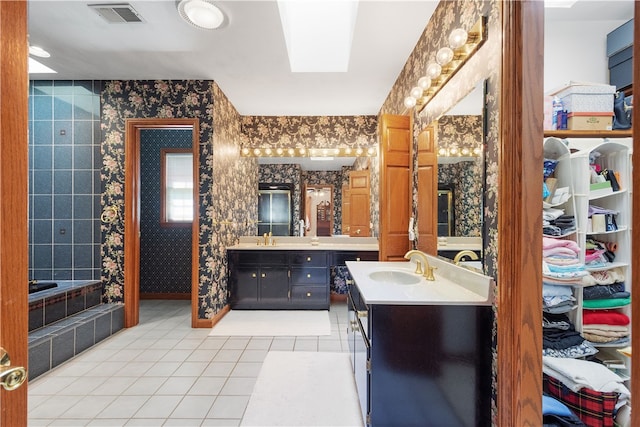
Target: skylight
(560,3)
(36,67)
(318,34)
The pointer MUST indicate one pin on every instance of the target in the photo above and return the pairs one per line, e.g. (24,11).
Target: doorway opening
(133,211)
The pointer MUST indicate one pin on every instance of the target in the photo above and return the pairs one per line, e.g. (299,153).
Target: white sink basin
(398,277)
(394,282)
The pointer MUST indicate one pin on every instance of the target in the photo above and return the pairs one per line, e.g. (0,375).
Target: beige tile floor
(164,373)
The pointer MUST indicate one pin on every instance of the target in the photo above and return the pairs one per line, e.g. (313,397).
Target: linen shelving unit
(558,150)
(614,151)
(615,155)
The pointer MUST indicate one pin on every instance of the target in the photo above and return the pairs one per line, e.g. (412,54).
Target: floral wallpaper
(228,184)
(309,131)
(234,205)
(485,64)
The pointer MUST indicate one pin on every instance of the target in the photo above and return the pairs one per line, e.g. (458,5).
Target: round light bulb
(442,152)
(370,151)
(245,151)
(268,151)
(444,56)
(291,151)
(416,92)
(424,82)
(279,151)
(465,151)
(347,150)
(409,102)
(256,151)
(433,70)
(454,151)
(457,38)
(359,151)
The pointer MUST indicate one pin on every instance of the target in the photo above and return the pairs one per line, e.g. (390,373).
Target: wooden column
(520,216)
(14,311)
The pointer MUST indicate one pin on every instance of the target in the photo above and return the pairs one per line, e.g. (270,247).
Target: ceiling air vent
(119,13)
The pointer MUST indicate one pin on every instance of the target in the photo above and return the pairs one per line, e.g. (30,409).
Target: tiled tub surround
(66,320)
(68,298)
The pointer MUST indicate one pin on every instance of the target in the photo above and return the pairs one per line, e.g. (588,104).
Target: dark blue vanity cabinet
(278,279)
(421,365)
(281,279)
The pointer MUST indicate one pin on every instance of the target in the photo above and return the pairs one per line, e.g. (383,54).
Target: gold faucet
(462,254)
(428,270)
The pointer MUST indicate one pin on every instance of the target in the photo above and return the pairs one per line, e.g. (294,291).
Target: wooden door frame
(133,127)
(14,169)
(519,305)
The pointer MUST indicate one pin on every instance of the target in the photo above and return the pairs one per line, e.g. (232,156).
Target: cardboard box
(590,121)
(587,97)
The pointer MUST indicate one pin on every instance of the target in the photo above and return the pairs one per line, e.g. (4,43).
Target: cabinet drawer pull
(308,259)
(309,276)
(362,313)
(253,275)
(358,259)
(308,294)
(263,275)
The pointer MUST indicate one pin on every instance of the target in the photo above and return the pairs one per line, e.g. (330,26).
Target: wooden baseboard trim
(159,295)
(209,323)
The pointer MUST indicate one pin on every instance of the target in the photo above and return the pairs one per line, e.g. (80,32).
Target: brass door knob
(10,378)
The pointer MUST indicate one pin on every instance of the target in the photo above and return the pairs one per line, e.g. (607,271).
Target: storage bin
(590,121)
(587,98)
(594,408)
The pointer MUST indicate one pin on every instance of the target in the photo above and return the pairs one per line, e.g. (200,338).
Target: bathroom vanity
(421,350)
(293,273)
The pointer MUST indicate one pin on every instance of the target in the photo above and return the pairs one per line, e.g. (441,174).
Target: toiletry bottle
(556,114)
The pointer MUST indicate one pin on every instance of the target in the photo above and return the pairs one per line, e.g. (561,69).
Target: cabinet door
(274,284)
(245,288)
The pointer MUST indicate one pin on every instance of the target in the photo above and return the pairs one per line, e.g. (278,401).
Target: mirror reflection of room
(318,210)
(274,209)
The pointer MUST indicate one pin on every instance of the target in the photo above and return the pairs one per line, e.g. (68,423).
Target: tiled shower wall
(64,180)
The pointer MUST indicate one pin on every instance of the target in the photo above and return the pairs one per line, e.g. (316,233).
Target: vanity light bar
(449,59)
(310,152)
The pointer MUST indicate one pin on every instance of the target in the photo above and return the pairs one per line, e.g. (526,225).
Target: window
(176,198)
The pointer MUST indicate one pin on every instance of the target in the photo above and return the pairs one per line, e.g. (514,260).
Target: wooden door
(427,191)
(14,263)
(359,195)
(346,208)
(395,193)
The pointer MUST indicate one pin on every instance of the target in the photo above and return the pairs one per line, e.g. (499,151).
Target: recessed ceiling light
(318,34)
(36,67)
(39,52)
(201,14)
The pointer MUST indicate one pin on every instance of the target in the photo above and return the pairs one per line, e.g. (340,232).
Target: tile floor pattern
(164,373)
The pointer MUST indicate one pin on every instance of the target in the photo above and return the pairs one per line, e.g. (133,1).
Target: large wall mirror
(459,142)
(310,181)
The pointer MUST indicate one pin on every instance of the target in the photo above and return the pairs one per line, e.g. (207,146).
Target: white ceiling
(248,57)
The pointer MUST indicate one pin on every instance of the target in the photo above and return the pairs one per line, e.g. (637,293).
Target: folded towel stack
(606,327)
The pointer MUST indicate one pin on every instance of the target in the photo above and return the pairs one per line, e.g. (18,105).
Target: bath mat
(272,323)
(304,389)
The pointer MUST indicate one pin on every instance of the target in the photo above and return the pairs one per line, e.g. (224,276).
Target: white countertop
(454,285)
(306,244)
(459,243)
